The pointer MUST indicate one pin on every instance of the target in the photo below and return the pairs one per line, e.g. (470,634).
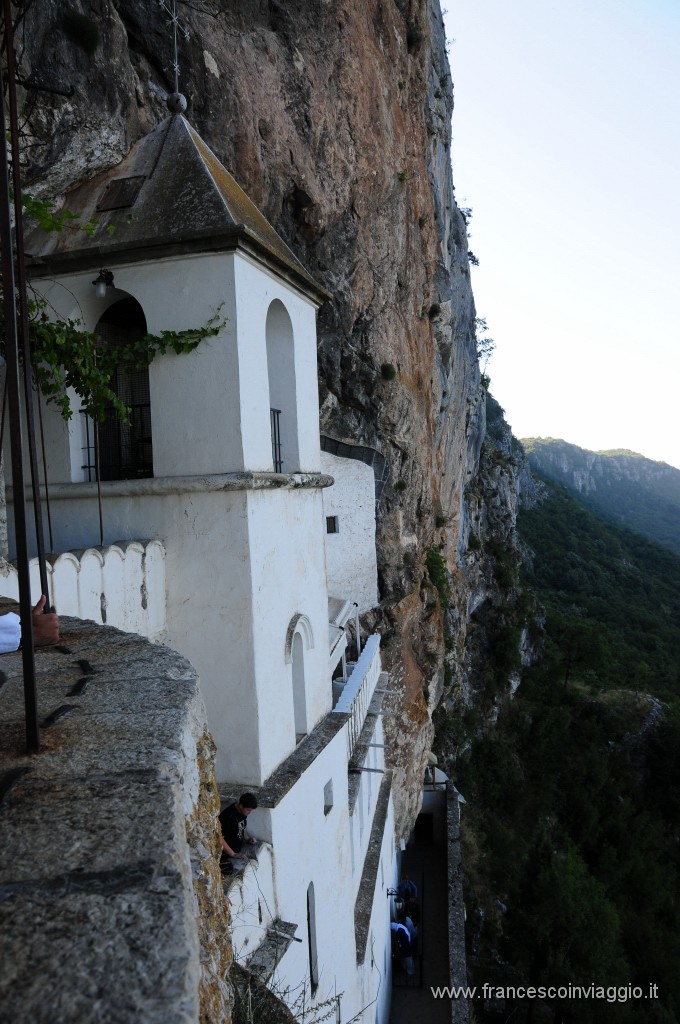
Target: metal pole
(12,359)
(97,463)
(44,462)
(24,341)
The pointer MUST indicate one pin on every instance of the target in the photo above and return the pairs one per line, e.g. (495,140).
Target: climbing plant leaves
(65,356)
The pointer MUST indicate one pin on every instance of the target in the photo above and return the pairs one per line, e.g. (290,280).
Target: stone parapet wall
(457,958)
(111,902)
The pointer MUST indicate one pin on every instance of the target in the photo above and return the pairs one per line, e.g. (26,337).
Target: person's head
(247,802)
(404,878)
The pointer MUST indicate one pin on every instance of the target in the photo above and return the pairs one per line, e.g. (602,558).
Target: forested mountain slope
(623,486)
(612,597)
(571,823)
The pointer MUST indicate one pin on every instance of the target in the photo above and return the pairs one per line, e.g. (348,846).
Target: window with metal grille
(124,449)
(275,417)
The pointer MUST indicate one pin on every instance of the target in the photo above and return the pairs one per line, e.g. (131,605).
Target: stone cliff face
(335,119)
(622,486)
(499,620)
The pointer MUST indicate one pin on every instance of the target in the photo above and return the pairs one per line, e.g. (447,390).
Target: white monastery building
(230,536)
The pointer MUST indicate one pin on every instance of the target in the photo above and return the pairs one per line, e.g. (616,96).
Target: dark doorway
(125,449)
(424,828)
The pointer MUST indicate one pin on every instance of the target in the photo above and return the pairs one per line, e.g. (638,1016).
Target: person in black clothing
(233,825)
(402,947)
(407,889)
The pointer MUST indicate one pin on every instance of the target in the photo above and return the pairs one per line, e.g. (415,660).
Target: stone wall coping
(284,777)
(367,893)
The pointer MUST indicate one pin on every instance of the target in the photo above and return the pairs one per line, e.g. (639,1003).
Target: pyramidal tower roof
(169,193)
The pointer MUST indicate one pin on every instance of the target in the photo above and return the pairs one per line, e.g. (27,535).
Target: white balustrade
(358,691)
(122,585)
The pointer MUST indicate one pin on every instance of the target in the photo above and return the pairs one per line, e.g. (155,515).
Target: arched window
(125,449)
(311,939)
(282,389)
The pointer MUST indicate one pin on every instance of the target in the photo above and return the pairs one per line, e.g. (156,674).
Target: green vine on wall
(66,356)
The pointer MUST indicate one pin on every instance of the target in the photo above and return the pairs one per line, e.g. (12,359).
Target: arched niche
(298,624)
(282,389)
(299,690)
(299,638)
(125,449)
(311,939)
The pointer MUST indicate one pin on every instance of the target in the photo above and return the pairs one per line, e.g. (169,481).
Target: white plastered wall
(287,562)
(195,407)
(351,563)
(209,408)
(310,846)
(255,290)
(322,856)
(276,887)
(239,564)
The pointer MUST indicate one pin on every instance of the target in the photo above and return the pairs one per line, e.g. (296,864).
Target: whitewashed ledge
(108,859)
(245,481)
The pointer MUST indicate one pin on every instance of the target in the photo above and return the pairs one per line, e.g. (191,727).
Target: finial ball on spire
(176,102)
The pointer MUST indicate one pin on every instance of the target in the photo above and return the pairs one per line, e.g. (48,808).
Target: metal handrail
(358,691)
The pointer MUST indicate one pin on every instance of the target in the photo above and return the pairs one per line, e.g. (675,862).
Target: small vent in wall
(121,193)
(328,797)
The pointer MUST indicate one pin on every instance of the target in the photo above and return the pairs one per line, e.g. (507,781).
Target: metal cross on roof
(171,10)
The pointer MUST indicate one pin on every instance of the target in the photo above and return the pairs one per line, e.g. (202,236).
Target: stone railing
(121,585)
(358,691)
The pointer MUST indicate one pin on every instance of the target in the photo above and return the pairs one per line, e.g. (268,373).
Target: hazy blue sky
(566,144)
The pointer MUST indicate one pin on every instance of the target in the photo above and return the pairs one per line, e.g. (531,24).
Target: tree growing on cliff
(581,643)
(486,346)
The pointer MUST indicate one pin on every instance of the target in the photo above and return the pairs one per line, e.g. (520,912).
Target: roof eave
(238,237)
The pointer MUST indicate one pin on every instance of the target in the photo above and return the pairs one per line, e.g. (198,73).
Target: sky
(566,145)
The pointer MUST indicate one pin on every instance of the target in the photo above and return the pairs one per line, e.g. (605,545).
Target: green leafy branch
(485,344)
(43,210)
(66,356)
(50,219)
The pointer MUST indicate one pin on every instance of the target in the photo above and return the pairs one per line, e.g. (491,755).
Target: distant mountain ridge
(622,486)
